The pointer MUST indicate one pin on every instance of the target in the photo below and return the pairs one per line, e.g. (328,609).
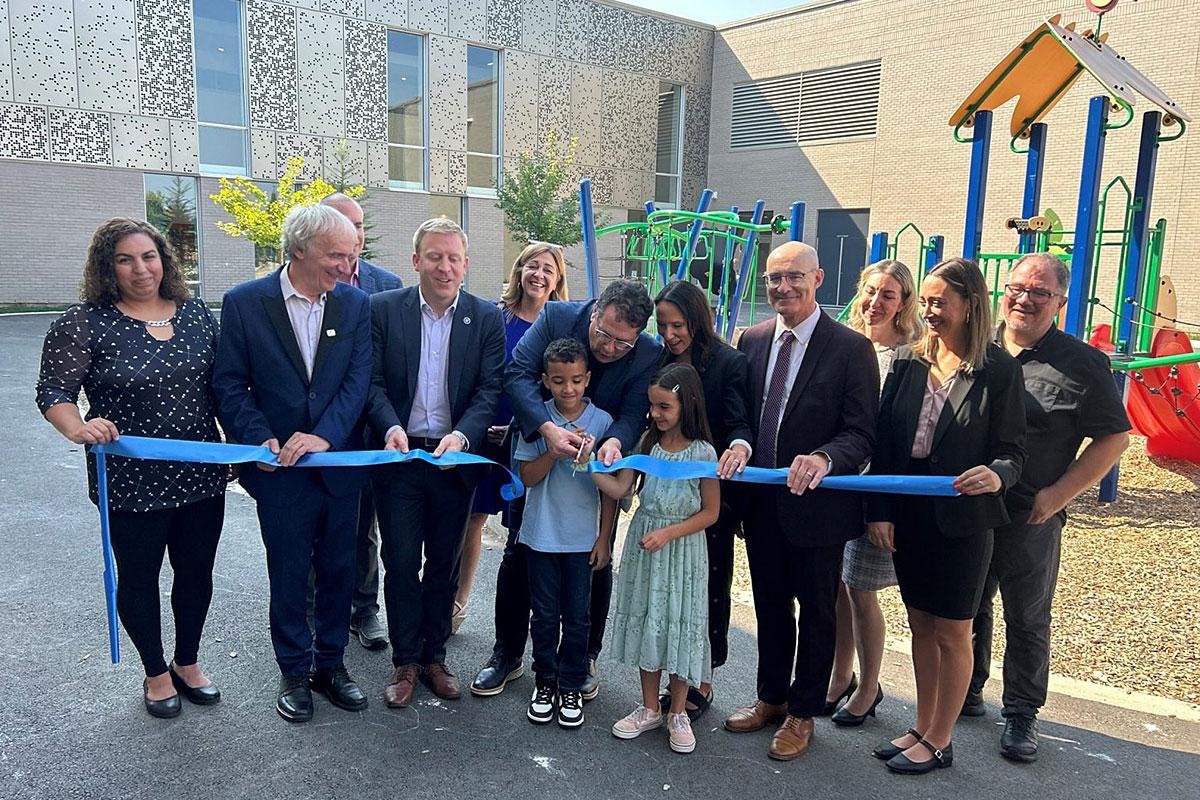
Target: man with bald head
(814,391)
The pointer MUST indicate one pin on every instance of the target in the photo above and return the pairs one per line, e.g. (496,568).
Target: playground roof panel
(1042,68)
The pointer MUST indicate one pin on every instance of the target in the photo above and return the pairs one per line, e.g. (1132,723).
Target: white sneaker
(541,705)
(635,724)
(570,709)
(680,728)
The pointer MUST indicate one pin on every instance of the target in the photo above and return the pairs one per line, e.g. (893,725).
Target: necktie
(768,424)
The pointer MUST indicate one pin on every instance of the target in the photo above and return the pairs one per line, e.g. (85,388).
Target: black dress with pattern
(145,387)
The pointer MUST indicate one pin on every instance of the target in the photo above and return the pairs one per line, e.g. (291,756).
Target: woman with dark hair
(952,405)
(142,349)
(686,325)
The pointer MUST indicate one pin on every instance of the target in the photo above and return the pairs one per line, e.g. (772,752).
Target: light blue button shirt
(430,416)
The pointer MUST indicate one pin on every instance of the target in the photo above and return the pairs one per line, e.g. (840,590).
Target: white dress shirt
(803,332)
(306,318)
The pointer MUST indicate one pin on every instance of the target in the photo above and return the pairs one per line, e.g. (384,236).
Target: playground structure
(1134,327)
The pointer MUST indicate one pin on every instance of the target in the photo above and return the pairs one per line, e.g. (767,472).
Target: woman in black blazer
(952,405)
(686,326)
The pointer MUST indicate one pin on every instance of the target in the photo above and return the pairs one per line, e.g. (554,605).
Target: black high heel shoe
(163,709)
(846,719)
(201,696)
(831,705)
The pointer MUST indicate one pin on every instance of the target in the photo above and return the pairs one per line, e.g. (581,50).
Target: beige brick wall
(933,55)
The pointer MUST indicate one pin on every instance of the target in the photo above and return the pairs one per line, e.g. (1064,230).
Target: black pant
(365,601)
(421,507)
(1025,569)
(720,582)
(782,575)
(189,536)
(560,587)
(512,596)
(314,534)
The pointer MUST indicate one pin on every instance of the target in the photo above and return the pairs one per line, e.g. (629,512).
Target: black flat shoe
(495,675)
(903,765)
(163,709)
(339,688)
(887,750)
(294,701)
(831,705)
(201,696)
(846,719)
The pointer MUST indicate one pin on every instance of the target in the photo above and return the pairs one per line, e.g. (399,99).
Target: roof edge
(813,5)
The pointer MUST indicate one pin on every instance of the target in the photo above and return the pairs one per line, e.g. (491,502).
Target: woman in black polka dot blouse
(142,349)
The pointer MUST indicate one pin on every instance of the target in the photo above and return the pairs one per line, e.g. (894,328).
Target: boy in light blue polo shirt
(561,529)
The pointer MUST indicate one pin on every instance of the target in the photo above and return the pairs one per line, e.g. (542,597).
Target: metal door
(842,251)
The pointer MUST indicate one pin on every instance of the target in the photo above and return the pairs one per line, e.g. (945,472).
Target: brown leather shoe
(399,690)
(441,681)
(792,738)
(755,717)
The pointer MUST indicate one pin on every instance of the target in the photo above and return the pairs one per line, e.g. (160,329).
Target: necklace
(158,323)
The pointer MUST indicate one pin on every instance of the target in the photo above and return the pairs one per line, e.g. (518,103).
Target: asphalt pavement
(72,724)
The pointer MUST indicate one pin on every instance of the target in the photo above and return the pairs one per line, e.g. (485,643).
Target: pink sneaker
(680,728)
(641,720)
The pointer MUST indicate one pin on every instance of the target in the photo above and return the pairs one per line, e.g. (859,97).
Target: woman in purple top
(538,276)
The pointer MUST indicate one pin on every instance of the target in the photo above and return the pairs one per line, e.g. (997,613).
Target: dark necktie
(768,423)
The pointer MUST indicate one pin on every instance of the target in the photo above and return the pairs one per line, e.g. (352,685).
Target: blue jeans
(560,588)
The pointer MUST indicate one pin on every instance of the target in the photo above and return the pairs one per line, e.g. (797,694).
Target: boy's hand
(601,554)
(654,541)
(585,449)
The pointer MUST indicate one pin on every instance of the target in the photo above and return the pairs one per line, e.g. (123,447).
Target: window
(817,106)
(406,111)
(221,87)
(483,120)
(171,207)
(668,164)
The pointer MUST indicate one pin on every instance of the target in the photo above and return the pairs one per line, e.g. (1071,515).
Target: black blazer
(724,376)
(983,422)
(832,407)
(474,372)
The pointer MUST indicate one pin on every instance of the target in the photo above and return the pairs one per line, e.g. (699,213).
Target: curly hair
(99,284)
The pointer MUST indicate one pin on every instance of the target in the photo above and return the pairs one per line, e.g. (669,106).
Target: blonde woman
(538,275)
(885,311)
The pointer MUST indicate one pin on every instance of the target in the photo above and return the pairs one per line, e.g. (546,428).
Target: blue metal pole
(735,302)
(591,259)
(796,230)
(1035,164)
(981,147)
(723,294)
(879,245)
(933,251)
(705,199)
(664,269)
(1084,246)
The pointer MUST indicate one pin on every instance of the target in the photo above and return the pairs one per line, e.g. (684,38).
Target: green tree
(173,211)
(536,195)
(343,171)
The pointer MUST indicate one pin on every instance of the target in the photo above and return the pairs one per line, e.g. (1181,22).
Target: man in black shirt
(1069,396)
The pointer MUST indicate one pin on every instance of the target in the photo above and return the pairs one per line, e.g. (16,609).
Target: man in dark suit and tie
(435,385)
(292,370)
(814,390)
(622,359)
(364,611)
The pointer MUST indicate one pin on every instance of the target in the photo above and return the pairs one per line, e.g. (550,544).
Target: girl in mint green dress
(661,621)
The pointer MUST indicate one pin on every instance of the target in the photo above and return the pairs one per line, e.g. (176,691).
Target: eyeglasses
(1038,296)
(774,279)
(620,344)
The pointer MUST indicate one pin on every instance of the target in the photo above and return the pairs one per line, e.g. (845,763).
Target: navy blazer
(263,392)
(621,391)
(474,373)
(832,407)
(373,278)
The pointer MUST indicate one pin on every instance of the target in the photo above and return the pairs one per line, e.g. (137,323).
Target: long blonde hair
(514,293)
(907,320)
(965,279)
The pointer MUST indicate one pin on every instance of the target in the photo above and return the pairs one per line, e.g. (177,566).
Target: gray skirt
(866,567)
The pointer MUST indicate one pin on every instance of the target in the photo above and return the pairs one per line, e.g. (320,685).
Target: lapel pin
(330,332)
(466,320)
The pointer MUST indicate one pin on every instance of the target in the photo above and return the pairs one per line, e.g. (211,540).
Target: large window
(406,111)
(668,162)
(171,207)
(221,87)
(483,120)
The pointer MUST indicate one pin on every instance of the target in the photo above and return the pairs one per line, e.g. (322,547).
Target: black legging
(189,535)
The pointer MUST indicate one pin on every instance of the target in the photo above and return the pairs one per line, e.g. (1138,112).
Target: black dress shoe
(370,632)
(903,765)
(846,719)
(1019,742)
(495,675)
(337,685)
(163,709)
(887,750)
(973,705)
(201,696)
(831,705)
(294,702)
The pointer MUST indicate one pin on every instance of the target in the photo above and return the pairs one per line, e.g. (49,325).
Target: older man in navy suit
(364,611)
(292,370)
